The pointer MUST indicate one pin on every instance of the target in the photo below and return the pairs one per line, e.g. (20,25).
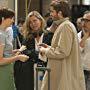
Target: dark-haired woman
(6,58)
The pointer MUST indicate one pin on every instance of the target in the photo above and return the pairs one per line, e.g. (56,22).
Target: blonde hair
(28,29)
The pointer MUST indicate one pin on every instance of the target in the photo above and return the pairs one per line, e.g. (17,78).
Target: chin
(35,29)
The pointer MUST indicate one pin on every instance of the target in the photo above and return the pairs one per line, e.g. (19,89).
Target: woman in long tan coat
(63,54)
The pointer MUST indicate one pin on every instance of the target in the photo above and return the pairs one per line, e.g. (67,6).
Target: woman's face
(35,23)
(9,21)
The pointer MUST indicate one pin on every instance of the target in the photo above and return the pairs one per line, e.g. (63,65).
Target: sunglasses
(85,20)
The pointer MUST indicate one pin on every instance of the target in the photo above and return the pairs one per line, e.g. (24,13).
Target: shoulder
(69,26)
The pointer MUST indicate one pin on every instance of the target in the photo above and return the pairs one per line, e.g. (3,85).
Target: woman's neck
(38,38)
(3,26)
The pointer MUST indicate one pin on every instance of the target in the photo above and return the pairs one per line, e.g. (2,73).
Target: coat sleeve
(64,46)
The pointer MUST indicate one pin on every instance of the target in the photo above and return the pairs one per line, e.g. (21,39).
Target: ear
(2,18)
(59,13)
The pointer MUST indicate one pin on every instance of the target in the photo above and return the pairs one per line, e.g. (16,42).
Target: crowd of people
(62,47)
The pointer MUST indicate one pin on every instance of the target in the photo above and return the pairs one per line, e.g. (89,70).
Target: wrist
(16,57)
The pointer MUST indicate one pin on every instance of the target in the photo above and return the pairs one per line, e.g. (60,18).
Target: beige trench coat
(64,60)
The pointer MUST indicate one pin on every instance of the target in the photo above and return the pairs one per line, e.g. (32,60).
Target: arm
(64,46)
(4,61)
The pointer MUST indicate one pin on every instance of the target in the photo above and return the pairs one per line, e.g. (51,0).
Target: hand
(42,50)
(22,48)
(43,45)
(23,57)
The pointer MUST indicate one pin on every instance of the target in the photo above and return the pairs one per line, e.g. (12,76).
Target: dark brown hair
(6,13)
(63,7)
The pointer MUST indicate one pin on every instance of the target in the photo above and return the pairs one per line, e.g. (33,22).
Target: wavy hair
(28,30)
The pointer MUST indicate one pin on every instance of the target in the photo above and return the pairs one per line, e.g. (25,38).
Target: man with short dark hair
(63,54)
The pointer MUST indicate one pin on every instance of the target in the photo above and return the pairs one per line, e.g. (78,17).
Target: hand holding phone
(43,45)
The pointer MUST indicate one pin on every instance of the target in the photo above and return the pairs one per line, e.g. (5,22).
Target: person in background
(80,29)
(21,25)
(63,54)
(79,24)
(48,20)
(85,47)
(21,22)
(6,55)
(15,36)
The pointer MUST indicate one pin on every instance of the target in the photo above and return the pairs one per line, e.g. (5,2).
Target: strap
(19,43)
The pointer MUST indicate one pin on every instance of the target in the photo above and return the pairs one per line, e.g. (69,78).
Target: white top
(43,58)
(85,53)
(79,35)
(9,31)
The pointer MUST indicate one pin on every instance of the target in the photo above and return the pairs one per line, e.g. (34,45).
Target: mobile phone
(43,45)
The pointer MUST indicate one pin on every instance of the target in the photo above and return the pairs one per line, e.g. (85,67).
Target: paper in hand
(21,49)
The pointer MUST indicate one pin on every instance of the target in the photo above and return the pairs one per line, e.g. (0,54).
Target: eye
(85,20)
(35,21)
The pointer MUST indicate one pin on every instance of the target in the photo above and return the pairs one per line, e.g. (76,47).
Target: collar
(58,22)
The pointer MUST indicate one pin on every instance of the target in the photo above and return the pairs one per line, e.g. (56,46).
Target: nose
(32,23)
